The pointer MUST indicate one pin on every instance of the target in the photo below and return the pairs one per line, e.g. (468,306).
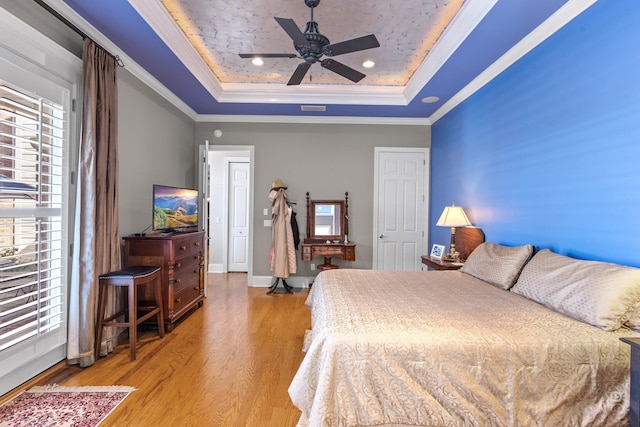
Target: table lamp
(453,216)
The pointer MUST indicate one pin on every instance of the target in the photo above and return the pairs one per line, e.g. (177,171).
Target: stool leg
(102,305)
(158,293)
(133,319)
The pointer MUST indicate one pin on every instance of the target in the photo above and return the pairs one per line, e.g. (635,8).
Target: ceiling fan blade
(353,45)
(299,74)
(294,32)
(268,55)
(339,68)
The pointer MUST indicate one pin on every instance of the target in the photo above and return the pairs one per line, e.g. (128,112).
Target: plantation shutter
(31,236)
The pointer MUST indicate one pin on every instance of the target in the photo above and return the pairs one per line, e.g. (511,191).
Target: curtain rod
(70,24)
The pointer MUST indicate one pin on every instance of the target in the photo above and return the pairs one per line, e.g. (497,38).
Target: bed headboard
(467,239)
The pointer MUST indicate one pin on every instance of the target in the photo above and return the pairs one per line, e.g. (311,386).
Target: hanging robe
(283,260)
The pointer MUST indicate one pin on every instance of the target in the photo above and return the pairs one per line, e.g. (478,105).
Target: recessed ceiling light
(368,63)
(257,61)
(430,99)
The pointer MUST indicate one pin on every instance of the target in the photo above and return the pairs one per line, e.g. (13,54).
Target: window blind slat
(31,175)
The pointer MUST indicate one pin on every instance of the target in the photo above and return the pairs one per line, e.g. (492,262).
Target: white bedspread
(445,349)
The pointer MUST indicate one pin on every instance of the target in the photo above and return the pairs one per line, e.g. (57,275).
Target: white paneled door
(238,260)
(400,209)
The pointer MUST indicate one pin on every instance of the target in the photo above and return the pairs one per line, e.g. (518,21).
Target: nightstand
(634,386)
(438,264)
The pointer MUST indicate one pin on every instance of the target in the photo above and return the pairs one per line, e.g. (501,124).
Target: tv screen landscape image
(174,208)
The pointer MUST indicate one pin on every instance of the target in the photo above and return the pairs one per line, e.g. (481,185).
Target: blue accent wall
(548,152)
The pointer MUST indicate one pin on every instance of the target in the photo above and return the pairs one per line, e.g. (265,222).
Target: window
(38,142)
(32,282)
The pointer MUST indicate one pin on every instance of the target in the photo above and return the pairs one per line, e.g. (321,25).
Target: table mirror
(327,219)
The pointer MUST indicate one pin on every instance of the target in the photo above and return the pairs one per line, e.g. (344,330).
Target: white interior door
(238,260)
(400,205)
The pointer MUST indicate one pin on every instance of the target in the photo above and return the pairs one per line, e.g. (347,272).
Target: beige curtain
(96,248)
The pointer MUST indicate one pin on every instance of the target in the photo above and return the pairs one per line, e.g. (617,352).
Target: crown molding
(161,21)
(313,94)
(213,118)
(545,30)
(470,15)
(131,66)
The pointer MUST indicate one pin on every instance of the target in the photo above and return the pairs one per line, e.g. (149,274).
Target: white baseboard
(216,268)
(266,281)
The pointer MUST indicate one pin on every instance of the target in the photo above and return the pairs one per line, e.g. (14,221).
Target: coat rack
(283,240)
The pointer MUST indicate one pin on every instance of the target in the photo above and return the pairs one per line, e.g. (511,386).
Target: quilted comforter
(441,348)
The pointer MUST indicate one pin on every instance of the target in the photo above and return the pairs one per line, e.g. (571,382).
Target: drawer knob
(178,300)
(177,280)
(178,265)
(197,243)
(195,288)
(183,248)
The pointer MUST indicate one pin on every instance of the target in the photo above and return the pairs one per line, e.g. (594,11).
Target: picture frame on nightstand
(437,251)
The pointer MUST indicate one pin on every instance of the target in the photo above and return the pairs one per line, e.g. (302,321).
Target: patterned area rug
(55,406)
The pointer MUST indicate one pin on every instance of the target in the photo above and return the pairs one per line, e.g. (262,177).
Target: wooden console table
(314,248)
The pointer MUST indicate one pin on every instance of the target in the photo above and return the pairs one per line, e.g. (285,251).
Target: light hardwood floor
(228,363)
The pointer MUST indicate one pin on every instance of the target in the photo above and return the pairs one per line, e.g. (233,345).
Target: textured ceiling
(220,29)
(436,50)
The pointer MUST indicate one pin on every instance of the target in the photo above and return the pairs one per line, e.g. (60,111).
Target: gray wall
(324,159)
(156,145)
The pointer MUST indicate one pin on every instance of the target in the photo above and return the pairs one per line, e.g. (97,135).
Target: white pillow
(598,293)
(497,264)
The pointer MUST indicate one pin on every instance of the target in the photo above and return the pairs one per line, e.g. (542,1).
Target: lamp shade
(453,216)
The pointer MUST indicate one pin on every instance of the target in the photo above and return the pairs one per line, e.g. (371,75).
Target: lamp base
(455,257)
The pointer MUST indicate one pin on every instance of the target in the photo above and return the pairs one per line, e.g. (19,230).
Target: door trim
(251,156)
(427,174)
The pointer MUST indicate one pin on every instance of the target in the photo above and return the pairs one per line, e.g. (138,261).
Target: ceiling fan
(312,46)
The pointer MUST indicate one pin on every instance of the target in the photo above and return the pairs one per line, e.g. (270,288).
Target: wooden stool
(132,277)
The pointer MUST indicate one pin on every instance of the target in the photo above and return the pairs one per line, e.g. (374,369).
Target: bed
(458,348)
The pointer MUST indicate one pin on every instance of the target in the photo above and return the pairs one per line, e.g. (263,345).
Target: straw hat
(278,184)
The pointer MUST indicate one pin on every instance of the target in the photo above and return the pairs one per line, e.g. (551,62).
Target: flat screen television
(175,209)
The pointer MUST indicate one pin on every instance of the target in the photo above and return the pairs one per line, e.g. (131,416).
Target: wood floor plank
(228,363)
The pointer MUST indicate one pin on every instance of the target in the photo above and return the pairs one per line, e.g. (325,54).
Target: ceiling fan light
(368,63)
(257,61)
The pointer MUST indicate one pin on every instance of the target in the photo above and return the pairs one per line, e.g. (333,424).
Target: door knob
(382,236)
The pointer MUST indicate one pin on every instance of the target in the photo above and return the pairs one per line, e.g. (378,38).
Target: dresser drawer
(181,247)
(306,253)
(186,272)
(184,297)
(195,243)
(349,253)
(327,250)
(187,245)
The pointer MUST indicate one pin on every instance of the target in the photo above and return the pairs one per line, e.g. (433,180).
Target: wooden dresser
(181,257)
